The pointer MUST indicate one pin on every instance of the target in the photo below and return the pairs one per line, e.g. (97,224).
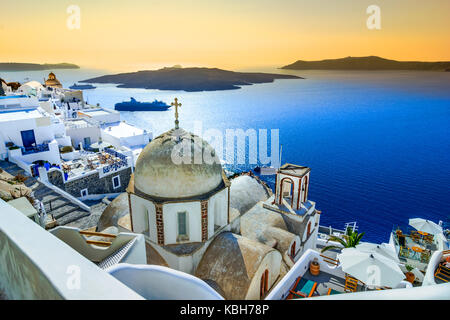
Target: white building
(30,134)
(130,139)
(31,88)
(102,115)
(84,131)
(13,102)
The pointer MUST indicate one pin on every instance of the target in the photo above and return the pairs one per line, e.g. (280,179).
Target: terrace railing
(123,162)
(329,260)
(38,148)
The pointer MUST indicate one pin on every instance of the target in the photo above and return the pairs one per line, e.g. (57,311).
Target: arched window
(286,190)
(293,250)
(308,232)
(264,286)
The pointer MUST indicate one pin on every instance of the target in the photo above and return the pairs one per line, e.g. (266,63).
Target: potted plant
(314,267)
(349,240)
(410,277)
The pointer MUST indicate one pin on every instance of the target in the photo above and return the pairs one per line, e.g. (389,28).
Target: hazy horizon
(224,34)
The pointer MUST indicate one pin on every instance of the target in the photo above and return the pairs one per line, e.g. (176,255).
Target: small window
(84,192)
(146,230)
(116,182)
(182,226)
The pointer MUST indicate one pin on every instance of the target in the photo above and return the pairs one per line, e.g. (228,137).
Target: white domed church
(179,207)
(235,235)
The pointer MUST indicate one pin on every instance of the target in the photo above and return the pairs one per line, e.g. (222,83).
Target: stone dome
(161,174)
(52,81)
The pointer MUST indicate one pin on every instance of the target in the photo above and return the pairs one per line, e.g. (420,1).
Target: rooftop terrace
(121,129)
(107,160)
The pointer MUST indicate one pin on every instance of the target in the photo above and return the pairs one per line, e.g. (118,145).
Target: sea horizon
(376,141)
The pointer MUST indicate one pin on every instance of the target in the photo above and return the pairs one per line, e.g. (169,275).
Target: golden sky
(233,34)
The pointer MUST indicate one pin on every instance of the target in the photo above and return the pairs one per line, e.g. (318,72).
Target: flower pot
(410,277)
(314,268)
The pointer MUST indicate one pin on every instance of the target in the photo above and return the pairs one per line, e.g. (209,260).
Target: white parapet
(34,264)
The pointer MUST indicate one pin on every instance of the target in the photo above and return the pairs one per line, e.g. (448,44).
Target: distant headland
(17,66)
(188,79)
(367,63)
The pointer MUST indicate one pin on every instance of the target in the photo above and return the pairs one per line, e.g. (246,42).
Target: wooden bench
(351,284)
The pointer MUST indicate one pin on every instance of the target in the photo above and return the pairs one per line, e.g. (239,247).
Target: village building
(235,235)
(31,135)
(91,175)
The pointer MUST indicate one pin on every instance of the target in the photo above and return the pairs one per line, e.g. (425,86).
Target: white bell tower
(291,185)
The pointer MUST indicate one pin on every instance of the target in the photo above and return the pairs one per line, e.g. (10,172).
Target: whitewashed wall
(78,134)
(34,264)
(194,223)
(217,211)
(43,130)
(140,207)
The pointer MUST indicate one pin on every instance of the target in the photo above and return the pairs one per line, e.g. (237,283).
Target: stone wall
(56,178)
(92,182)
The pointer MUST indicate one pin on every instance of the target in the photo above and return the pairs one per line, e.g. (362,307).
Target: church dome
(158,175)
(52,81)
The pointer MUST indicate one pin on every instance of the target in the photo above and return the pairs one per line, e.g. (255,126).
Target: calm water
(377,143)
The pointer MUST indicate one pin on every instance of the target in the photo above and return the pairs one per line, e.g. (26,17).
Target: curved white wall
(162,283)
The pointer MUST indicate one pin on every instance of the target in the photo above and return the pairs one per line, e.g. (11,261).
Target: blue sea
(377,143)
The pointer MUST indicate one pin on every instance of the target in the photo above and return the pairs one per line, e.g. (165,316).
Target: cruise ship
(134,105)
(77,86)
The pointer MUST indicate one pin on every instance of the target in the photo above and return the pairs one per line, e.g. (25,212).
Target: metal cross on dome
(176,105)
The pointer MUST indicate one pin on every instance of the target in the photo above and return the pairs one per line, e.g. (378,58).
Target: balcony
(35,149)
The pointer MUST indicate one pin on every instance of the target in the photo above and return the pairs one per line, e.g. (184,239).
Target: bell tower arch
(291,185)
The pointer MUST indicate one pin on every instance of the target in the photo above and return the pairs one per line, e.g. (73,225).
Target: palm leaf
(329,248)
(337,239)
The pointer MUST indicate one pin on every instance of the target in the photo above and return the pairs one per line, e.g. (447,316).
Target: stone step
(16,171)
(62,211)
(40,193)
(34,185)
(72,216)
(10,168)
(51,197)
(8,165)
(56,203)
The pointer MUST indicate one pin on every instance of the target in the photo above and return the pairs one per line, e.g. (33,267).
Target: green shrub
(66,149)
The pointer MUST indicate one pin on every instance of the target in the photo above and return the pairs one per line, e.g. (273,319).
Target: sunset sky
(138,34)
